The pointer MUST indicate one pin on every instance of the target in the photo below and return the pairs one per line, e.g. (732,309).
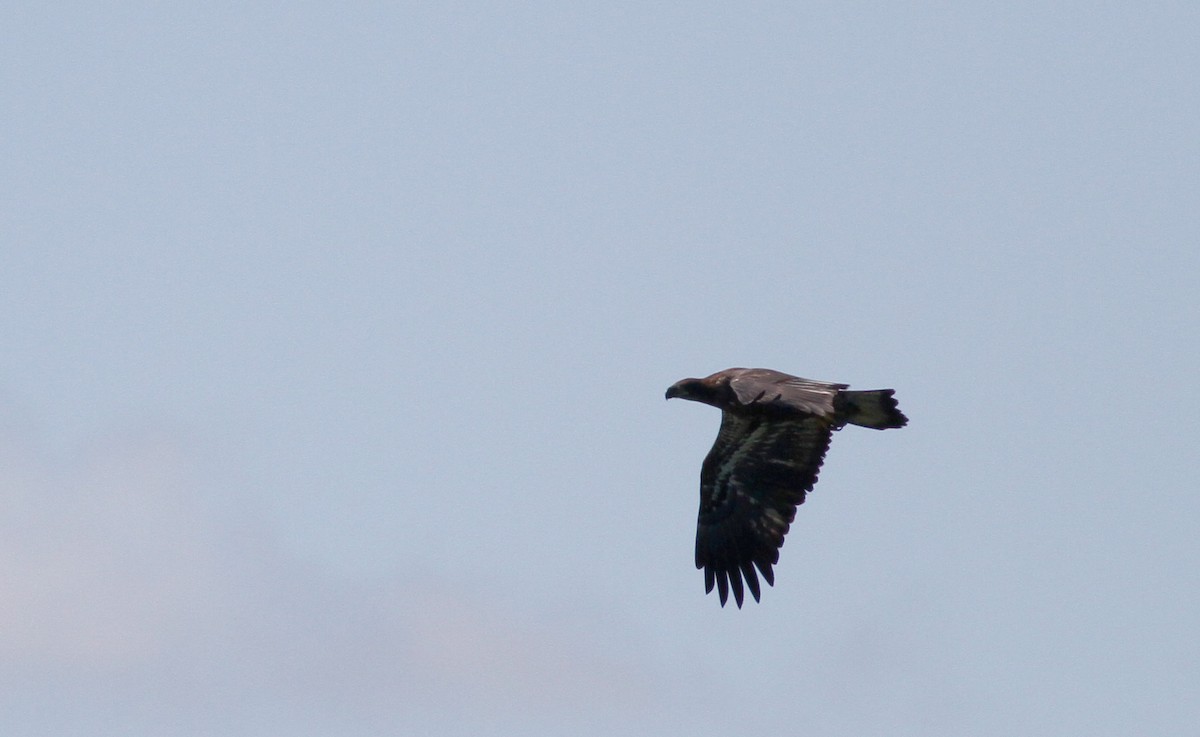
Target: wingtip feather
(735,582)
(768,573)
(751,580)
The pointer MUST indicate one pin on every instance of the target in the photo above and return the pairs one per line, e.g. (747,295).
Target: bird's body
(775,429)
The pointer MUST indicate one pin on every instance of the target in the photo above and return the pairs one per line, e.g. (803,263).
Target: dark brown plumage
(775,429)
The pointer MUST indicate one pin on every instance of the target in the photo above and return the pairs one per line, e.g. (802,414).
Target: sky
(335,343)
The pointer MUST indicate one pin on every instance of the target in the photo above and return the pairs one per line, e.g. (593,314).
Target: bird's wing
(768,389)
(754,477)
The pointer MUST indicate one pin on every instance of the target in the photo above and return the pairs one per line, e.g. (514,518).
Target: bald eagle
(775,429)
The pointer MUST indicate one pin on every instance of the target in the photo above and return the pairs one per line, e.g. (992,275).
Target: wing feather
(722,585)
(751,578)
(775,390)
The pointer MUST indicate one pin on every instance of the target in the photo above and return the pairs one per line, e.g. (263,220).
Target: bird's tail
(875,409)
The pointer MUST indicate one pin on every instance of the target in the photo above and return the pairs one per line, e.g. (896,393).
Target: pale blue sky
(335,341)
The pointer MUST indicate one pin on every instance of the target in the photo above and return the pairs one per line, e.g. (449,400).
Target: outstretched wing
(754,477)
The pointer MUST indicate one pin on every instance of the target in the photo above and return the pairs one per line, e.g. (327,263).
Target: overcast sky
(334,342)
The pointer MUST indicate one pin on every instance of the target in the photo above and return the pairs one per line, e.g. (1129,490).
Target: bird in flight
(775,429)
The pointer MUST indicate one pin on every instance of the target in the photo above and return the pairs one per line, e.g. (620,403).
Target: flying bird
(775,429)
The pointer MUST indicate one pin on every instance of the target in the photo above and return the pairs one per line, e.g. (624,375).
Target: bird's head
(697,390)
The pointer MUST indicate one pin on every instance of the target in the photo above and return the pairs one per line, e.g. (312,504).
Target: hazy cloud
(120,582)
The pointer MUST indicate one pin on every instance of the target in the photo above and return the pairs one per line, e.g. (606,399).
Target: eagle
(775,430)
